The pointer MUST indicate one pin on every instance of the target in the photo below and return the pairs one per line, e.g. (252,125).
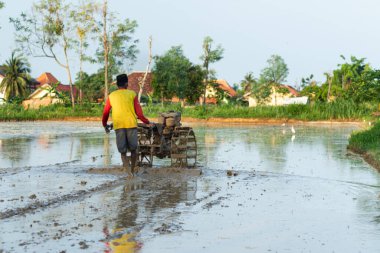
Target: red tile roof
(47,78)
(291,90)
(226,87)
(223,85)
(66,88)
(133,82)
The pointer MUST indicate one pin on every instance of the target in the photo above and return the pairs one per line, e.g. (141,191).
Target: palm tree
(247,83)
(16,76)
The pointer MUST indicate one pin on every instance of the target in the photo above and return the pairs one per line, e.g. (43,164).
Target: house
(211,92)
(135,78)
(278,98)
(44,95)
(2,92)
(41,97)
(46,77)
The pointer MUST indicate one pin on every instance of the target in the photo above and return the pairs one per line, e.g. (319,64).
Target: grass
(367,143)
(344,110)
(17,112)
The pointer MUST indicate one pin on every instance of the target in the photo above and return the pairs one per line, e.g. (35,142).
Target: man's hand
(108,128)
(151,124)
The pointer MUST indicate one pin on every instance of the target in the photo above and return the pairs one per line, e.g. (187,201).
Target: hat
(121,80)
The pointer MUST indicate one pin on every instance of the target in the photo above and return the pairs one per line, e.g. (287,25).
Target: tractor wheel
(183,147)
(145,149)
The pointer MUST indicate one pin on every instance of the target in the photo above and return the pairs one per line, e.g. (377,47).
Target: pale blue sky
(309,34)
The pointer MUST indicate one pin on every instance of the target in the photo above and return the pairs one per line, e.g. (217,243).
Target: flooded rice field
(300,192)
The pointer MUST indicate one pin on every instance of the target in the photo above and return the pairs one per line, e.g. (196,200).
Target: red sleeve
(139,111)
(106,112)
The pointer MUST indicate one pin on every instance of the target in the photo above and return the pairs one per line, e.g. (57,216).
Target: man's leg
(132,146)
(133,161)
(125,160)
(121,142)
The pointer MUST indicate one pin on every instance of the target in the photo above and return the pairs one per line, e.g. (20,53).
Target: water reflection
(15,151)
(49,149)
(140,204)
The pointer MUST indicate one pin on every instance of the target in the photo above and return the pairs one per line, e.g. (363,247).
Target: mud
(145,171)
(258,188)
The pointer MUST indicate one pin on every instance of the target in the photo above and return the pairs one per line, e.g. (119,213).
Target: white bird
(293,130)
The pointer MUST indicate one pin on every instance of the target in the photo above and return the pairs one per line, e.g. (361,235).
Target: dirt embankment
(236,120)
(369,158)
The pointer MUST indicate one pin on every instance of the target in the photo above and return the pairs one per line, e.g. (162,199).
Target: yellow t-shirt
(123,109)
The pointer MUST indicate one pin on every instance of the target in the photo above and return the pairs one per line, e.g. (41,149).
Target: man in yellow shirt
(126,110)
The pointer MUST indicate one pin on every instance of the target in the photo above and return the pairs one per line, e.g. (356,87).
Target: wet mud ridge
(59,200)
(120,178)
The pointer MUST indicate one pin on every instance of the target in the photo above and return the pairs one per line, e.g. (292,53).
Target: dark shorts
(126,139)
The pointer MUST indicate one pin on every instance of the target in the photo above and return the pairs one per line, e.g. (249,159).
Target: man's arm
(139,111)
(106,112)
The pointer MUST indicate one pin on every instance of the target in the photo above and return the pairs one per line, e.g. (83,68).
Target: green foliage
(209,56)
(194,88)
(338,110)
(248,82)
(313,91)
(354,80)
(47,31)
(16,76)
(56,111)
(52,91)
(261,92)
(92,85)
(1,6)
(276,71)
(85,24)
(307,81)
(270,79)
(175,75)
(367,142)
(47,28)
(122,44)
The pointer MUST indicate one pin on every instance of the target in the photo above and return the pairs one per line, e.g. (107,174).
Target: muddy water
(299,192)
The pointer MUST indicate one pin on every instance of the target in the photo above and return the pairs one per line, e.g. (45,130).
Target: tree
(106,48)
(142,82)
(92,85)
(353,80)
(85,24)
(175,75)
(118,46)
(276,71)
(194,89)
(248,82)
(1,6)
(310,88)
(47,31)
(16,76)
(271,78)
(209,56)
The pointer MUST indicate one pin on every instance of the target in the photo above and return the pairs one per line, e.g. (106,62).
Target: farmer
(125,111)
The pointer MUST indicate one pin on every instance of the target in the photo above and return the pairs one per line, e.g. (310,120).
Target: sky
(310,35)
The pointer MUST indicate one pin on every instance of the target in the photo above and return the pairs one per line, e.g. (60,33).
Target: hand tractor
(167,139)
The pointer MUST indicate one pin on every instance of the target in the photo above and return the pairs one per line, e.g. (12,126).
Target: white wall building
(2,101)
